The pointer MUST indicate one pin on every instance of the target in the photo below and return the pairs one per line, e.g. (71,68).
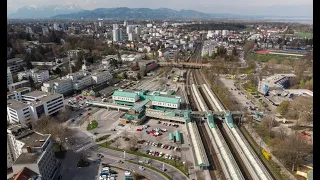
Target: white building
(115,26)
(18,112)
(17,85)
(125,23)
(277,81)
(32,106)
(29,30)
(9,77)
(17,94)
(36,153)
(37,75)
(15,65)
(149,25)
(130,29)
(138,30)
(100,23)
(82,83)
(61,86)
(225,32)
(56,26)
(132,37)
(45,31)
(117,35)
(101,77)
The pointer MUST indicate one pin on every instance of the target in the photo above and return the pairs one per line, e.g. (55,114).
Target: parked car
(142,168)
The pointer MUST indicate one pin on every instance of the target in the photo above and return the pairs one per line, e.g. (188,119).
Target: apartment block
(35,152)
(15,65)
(61,86)
(37,75)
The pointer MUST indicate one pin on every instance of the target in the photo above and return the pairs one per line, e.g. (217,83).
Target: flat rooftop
(46,96)
(18,90)
(34,139)
(28,158)
(20,82)
(16,105)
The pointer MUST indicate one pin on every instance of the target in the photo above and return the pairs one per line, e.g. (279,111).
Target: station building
(143,100)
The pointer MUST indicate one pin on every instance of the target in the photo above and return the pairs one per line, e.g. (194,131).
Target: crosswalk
(87,146)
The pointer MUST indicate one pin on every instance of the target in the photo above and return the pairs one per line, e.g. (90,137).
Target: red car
(139,129)
(151,132)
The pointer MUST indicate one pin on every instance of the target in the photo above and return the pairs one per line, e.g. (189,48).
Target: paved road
(85,143)
(112,161)
(171,171)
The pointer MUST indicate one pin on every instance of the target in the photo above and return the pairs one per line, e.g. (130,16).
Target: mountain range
(76,12)
(33,11)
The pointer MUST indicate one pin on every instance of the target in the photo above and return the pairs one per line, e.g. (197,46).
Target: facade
(29,30)
(17,94)
(82,83)
(15,65)
(62,86)
(35,153)
(17,85)
(9,77)
(37,75)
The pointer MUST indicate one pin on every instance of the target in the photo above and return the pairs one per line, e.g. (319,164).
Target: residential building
(62,86)
(38,76)
(130,29)
(138,30)
(132,37)
(10,159)
(45,31)
(101,77)
(115,26)
(73,53)
(9,77)
(29,30)
(82,83)
(35,152)
(17,94)
(15,65)
(117,35)
(56,26)
(18,112)
(17,85)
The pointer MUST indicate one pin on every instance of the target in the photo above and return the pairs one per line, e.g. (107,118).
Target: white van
(127,173)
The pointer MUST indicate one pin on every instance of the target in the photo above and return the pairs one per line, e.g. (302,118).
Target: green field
(304,34)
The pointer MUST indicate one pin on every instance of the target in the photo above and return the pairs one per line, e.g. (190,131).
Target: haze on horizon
(243,7)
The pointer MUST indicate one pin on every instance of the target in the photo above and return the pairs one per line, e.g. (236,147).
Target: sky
(241,7)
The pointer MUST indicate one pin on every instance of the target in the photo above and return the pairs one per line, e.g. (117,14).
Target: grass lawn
(176,164)
(93,125)
(153,168)
(103,137)
(304,34)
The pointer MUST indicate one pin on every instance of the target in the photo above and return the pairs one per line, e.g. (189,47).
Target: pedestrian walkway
(263,145)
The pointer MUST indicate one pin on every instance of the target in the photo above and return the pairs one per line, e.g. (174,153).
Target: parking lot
(241,97)
(182,148)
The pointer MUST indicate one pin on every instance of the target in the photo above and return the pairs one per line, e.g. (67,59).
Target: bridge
(184,65)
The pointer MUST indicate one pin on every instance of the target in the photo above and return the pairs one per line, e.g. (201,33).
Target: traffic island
(92,125)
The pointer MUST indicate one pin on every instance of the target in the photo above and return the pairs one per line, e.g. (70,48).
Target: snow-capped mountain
(33,11)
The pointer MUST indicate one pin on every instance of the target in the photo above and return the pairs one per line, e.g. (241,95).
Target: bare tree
(125,134)
(296,149)
(47,125)
(282,133)
(117,143)
(63,115)
(133,142)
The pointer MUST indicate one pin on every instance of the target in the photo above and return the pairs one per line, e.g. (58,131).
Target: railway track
(251,166)
(204,137)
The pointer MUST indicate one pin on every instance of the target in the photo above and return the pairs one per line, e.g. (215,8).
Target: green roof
(166,99)
(125,94)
